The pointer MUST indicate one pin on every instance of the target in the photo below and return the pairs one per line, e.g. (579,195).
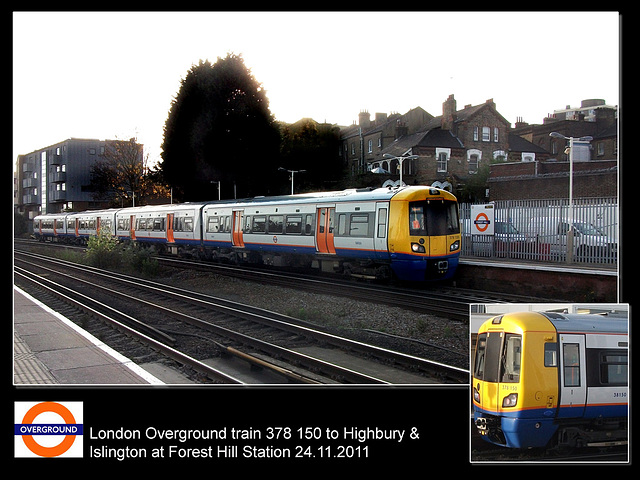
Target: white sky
(114,75)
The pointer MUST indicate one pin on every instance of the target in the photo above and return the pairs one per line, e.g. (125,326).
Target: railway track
(207,325)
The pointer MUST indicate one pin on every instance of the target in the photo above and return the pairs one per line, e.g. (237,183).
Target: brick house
(452,147)
(363,143)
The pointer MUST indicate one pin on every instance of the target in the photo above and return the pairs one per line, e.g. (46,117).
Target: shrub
(103,250)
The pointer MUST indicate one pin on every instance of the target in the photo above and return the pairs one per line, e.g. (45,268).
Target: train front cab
(424,234)
(515,380)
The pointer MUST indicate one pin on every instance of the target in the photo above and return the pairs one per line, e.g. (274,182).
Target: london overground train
(410,233)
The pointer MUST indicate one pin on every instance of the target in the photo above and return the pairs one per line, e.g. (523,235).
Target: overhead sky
(113,75)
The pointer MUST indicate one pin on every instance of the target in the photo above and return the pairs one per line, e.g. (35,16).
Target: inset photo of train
(549,378)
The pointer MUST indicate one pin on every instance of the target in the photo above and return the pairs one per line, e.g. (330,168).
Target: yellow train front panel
(510,349)
(424,233)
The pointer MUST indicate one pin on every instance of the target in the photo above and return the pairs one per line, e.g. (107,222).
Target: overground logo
(48,429)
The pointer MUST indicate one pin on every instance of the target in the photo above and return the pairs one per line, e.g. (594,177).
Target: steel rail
(56,289)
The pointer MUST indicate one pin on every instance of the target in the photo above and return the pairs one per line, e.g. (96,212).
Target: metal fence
(547,230)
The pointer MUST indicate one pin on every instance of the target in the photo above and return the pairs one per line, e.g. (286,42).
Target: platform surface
(50,349)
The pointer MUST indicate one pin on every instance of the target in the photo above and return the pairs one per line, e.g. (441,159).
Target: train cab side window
(550,354)
(382,223)
(478,364)
(511,358)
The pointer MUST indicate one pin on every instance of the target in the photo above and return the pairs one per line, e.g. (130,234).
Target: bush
(136,259)
(103,251)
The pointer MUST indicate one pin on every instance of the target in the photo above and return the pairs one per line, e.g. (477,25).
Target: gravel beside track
(448,340)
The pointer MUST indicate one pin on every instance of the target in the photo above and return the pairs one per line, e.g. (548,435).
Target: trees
(219,129)
(119,172)
(314,147)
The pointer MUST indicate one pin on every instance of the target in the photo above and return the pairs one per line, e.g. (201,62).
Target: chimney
(380,118)
(448,113)
(364,119)
(520,123)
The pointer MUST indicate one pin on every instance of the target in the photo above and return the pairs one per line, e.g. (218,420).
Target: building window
(475,134)
(474,160)
(442,157)
(486,134)
(370,146)
(495,134)
(600,146)
(442,162)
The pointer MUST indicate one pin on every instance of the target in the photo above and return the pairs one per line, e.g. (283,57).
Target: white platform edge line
(102,346)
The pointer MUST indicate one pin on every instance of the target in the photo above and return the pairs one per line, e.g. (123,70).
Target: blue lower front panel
(520,429)
(527,432)
(417,268)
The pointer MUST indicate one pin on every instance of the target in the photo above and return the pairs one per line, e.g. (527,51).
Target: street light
(570,232)
(219,184)
(400,160)
(292,172)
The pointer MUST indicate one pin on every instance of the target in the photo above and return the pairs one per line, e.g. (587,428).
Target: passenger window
(308,229)
(342,224)
(294,224)
(213,224)
(359,226)
(259,224)
(614,368)
(275,223)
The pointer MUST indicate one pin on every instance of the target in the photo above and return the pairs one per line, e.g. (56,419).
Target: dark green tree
(314,147)
(220,129)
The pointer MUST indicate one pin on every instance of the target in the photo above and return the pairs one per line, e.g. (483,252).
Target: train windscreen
(433,218)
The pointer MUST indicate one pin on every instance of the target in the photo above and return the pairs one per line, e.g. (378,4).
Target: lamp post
(570,233)
(219,185)
(400,160)
(292,172)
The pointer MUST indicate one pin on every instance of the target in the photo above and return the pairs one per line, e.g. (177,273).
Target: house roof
(519,144)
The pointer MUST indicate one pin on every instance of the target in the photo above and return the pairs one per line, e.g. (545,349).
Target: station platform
(50,349)
(564,282)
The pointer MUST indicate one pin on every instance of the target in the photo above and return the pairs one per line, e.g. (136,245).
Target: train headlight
(510,400)
(417,248)
(454,246)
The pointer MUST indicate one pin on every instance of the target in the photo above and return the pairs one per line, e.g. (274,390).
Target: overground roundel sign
(482,222)
(482,219)
(67,431)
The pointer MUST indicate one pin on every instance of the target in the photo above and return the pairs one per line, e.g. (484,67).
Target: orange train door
(324,230)
(170,238)
(132,227)
(237,238)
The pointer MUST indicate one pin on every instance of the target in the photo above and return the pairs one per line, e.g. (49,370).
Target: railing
(547,230)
